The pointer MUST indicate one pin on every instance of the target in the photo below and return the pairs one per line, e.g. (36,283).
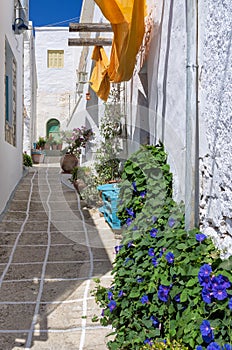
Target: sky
(51,12)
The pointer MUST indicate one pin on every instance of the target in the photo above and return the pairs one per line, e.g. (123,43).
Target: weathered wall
(10,156)
(216,114)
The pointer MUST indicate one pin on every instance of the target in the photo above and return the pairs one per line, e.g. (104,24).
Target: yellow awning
(127,20)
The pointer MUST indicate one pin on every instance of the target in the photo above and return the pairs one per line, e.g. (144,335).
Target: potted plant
(76,140)
(40,143)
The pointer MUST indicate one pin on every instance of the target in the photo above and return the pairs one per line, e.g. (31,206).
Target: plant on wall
(170,289)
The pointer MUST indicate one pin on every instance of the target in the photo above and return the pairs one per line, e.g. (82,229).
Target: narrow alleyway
(51,248)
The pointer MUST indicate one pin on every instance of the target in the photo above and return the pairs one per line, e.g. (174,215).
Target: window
(55,58)
(10,95)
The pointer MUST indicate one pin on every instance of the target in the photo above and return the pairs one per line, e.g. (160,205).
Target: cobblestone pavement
(51,248)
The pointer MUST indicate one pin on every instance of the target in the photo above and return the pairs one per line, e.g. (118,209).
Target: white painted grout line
(85,302)
(19,234)
(56,262)
(69,330)
(42,280)
(59,302)
(58,279)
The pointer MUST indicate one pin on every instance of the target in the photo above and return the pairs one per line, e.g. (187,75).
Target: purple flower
(219,293)
(154,262)
(112,305)
(199,347)
(135,228)
(129,221)
(140,279)
(130,212)
(227,347)
(213,346)
(110,295)
(205,327)
(151,252)
(206,331)
(177,298)
(118,248)
(206,295)
(161,252)
(220,280)
(154,219)
(103,313)
(204,275)
(148,341)
(153,232)
(170,258)
(163,292)
(230,304)
(130,244)
(143,194)
(120,293)
(134,186)
(155,321)
(200,237)
(144,299)
(171,222)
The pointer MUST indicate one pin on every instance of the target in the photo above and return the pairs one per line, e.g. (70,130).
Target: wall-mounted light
(19,26)
(88,96)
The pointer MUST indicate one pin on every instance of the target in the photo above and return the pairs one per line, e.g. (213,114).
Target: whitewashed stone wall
(216,114)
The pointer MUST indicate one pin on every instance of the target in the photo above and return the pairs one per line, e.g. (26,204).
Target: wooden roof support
(90,27)
(89,42)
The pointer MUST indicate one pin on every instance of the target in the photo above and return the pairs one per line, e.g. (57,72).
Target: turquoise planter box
(110,193)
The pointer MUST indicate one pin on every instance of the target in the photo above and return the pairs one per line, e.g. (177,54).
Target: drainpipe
(192,139)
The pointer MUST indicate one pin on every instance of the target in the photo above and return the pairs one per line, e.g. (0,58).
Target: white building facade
(11,97)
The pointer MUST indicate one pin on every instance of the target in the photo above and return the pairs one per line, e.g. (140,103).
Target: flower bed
(169,286)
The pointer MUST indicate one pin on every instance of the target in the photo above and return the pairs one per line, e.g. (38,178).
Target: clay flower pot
(68,162)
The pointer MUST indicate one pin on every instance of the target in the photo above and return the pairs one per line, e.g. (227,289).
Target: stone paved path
(51,248)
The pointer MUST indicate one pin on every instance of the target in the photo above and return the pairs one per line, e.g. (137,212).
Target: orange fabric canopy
(127,20)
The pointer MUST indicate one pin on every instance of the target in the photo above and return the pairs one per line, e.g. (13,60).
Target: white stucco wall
(10,156)
(56,87)
(216,119)
(30,89)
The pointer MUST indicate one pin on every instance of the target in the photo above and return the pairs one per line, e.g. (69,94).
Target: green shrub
(27,160)
(168,284)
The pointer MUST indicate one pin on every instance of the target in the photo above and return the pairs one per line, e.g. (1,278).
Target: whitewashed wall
(56,87)
(10,156)
(30,90)
(166,94)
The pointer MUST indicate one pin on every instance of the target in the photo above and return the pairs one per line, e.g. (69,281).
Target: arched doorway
(53,129)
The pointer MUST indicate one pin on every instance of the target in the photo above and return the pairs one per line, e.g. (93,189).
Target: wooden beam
(89,42)
(90,27)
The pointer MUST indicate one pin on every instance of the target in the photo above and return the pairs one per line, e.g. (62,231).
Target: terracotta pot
(68,162)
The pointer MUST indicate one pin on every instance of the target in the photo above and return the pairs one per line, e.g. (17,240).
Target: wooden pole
(90,27)
(89,42)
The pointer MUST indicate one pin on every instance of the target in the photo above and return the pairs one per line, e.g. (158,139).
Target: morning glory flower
(206,295)
(227,347)
(117,248)
(153,232)
(200,237)
(129,221)
(171,222)
(213,346)
(120,293)
(135,228)
(143,194)
(170,258)
(112,305)
(134,186)
(163,292)
(130,212)
(151,252)
(110,295)
(103,313)
(130,244)
(140,279)
(204,275)
(148,341)
(199,347)
(206,331)
(154,219)
(230,304)
(154,262)
(177,298)
(155,321)
(219,293)
(144,299)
